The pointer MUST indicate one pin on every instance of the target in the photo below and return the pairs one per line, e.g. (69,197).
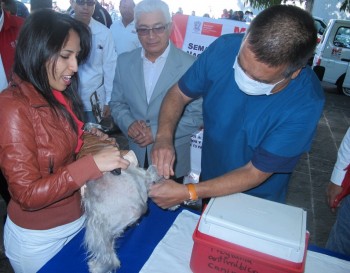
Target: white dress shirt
(343,160)
(1,19)
(3,80)
(97,73)
(125,38)
(152,71)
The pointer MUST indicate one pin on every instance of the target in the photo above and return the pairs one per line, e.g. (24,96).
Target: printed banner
(194,34)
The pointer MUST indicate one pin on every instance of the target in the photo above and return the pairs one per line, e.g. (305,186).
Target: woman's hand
(109,158)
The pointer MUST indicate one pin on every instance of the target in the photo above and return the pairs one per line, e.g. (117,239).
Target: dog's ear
(130,156)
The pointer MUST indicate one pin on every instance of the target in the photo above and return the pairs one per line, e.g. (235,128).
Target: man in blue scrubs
(261,106)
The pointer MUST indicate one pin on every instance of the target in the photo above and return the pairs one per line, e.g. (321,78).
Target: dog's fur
(113,203)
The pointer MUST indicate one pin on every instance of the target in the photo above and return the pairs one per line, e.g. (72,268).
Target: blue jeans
(339,237)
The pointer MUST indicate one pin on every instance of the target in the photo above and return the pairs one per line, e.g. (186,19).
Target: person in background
(97,73)
(22,10)
(237,15)
(339,191)
(180,11)
(261,107)
(100,14)
(143,77)
(113,12)
(10,26)
(9,6)
(42,129)
(55,7)
(225,14)
(123,31)
(248,16)
(40,4)
(16,8)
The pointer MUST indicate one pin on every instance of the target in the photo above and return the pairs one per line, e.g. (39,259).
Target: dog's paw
(96,266)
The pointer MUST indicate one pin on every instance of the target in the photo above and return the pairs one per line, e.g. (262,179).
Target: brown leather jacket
(38,161)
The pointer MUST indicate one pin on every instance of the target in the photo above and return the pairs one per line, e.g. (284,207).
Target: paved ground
(309,181)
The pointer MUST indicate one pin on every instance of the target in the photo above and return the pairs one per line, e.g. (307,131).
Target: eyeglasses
(83,2)
(147,31)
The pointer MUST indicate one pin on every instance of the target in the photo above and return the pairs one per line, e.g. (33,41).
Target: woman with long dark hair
(41,115)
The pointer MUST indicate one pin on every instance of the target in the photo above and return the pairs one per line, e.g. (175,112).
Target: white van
(320,26)
(332,55)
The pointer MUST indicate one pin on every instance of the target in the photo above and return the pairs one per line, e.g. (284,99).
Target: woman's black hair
(41,39)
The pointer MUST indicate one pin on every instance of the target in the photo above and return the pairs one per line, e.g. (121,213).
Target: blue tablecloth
(328,252)
(133,248)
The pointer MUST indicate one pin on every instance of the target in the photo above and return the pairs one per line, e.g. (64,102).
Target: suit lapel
(137,76)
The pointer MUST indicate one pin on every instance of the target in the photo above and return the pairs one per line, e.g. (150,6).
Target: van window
(342,37)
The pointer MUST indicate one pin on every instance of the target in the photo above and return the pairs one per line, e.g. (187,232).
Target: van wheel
(342,90)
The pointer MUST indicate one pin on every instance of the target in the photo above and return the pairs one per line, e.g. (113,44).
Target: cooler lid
(257,217)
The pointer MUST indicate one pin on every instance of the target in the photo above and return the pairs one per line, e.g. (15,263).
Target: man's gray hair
(148,6)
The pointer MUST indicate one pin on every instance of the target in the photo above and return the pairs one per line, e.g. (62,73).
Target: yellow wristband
(192,191)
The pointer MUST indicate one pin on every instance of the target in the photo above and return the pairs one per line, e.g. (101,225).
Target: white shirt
(343,160)
(151,71)
(125,38)
(3,80)
(97,73)
(2,19)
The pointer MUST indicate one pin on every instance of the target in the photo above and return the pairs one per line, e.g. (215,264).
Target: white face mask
(250,86)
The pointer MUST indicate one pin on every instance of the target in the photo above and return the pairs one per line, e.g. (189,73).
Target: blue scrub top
(271,131)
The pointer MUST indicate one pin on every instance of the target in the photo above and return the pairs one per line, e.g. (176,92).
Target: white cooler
(264,226)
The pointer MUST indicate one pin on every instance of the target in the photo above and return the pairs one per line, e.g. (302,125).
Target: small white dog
(113,203)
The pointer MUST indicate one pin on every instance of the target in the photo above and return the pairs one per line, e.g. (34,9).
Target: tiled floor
(310,179)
